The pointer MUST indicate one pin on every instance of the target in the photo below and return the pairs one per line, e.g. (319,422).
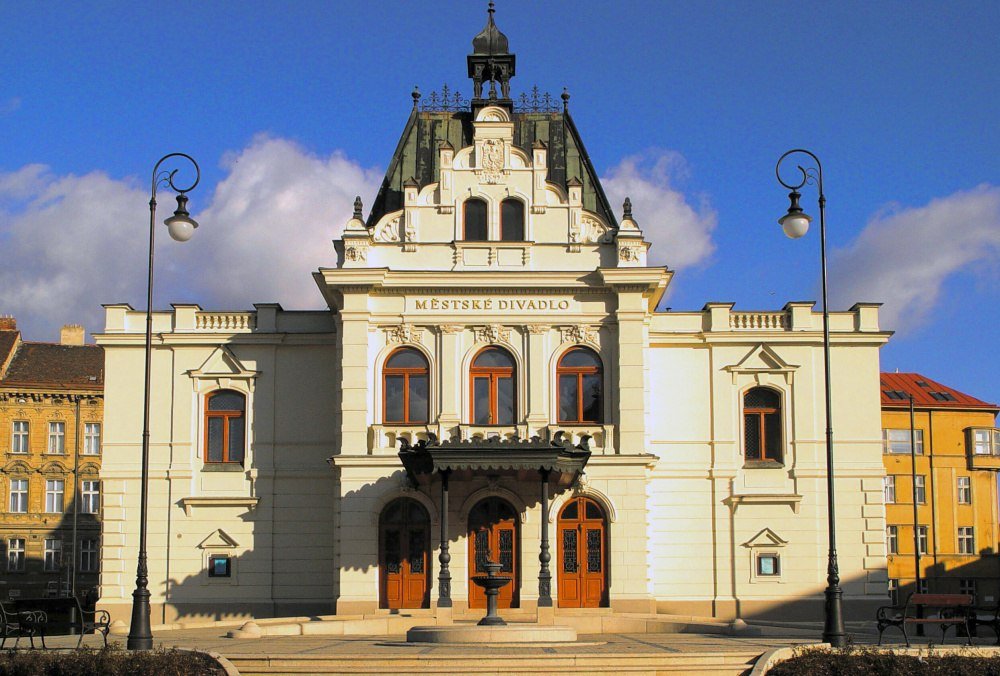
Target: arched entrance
(582,562)
(404,538)
(493,535)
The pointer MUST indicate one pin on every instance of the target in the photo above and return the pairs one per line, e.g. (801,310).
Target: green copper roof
(416,155)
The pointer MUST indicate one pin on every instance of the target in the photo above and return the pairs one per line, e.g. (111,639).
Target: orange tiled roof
(896,387)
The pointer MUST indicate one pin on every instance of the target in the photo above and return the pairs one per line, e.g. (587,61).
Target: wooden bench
(61,616)
(987,616)
(19,625)
(943,610)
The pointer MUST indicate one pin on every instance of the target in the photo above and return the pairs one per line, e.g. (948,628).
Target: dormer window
(474,221)
(512,220)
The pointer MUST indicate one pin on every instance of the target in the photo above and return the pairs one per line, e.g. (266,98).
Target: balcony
(384,439)
(983,448)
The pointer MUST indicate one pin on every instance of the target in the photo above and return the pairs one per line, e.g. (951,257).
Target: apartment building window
(53,554)
(893,591)
(892,539)
(924,587)
(90,497)
(964,491)
(922,539)
(985,441)
(967,586)
(19,437)
(92,439)
(57,437)
(889,489)
(55,493)
(898,441)
(88,556)
(18,496)
(966,540)
(920,489)
(15,555)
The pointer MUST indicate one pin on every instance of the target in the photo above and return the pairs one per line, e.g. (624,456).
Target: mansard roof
(417,155)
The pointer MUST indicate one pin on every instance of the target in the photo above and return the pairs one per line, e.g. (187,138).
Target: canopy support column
(444,558)
(544,576)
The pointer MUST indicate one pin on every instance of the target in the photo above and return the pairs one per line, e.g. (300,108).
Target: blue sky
(291,108)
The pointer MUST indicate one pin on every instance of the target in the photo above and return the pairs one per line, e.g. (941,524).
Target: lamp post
(180,226)
(795,224)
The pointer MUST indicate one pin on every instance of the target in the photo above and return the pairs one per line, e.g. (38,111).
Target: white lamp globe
(181,226)
(795,224)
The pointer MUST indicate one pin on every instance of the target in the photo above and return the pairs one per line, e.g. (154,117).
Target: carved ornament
(492,333)
(403,333)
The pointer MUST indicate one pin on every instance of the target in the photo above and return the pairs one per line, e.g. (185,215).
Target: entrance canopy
(562,461)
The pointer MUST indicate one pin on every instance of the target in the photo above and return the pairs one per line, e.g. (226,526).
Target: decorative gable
(219,539)
(223,367)
(765,538)
(762,359)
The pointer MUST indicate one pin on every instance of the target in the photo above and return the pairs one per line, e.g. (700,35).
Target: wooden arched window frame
(512,220)
(762,426)
(493,386)
(580,387)
(225,427)
(405,388)
(475,227)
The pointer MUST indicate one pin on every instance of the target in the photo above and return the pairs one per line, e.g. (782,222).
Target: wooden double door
(582,561)
(404,555)
(493,536)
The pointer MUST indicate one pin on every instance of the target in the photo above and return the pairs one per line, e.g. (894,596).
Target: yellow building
(51,414)
(957,454)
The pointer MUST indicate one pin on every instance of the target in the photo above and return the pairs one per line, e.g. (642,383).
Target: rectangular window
(920,489)
(768,565)
(922,539)
(88,556)
(53,554)
(55,491)
(15,555)
(219,566)
(92,439)
(57,437)
(964,491)
(898,441)
(892,539)
(19,496)
(19,437)
(985,441)
(889,489)
(966,540)
(967,586)
(893,591)
(90,497)
(924,586)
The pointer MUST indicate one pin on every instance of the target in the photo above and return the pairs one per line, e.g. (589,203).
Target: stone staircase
(697,663)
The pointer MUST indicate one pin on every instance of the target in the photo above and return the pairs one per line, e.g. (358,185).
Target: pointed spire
(491,61)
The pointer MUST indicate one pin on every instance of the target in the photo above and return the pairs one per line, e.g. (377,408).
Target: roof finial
(627,209)
(357,207)
(416,95)
(490,9)
(565,98)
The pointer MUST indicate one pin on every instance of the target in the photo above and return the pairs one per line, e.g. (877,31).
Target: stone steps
(702,664)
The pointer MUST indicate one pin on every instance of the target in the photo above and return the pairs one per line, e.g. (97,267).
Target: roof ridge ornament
(491,61)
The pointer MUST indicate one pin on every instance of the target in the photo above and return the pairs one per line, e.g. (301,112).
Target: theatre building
(487,377)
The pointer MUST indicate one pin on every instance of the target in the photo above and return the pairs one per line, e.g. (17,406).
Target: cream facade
(695,512)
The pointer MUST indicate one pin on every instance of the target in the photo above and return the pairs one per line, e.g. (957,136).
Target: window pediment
(762,359)
(219,539)
(223,367)
(766,538)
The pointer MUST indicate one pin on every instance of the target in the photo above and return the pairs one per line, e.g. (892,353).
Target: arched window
(762,424)
(405,387)
(492,379)
(474,221)
(580,386)
(512,220)
(225,427)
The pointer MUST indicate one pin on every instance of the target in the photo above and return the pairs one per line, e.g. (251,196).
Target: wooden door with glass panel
(582,562)
(404,555)
(493,537)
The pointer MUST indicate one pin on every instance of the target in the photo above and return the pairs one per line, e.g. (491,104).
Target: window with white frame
(920,489)
(53,554)
(889,489)
(892,539)
(15,555)
(88,555)
(18,496)
(90,497)
(985,441)
(967,586)
(92,439)
(922,539)
(19,437)
(898,441)
(57,437)
(964,491)
(966,540)
(893,591)
(55,493)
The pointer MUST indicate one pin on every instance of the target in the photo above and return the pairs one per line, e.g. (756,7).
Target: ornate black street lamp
(795,224)
(180,226)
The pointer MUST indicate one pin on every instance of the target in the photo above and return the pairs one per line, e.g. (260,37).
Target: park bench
(19,625)
(987,616)
(943,610)
(64,615)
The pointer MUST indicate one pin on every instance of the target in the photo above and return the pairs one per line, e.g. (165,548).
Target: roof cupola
(491,61)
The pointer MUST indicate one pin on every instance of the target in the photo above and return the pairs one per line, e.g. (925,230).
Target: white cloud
(681,234)
(72,242)
(904,256)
